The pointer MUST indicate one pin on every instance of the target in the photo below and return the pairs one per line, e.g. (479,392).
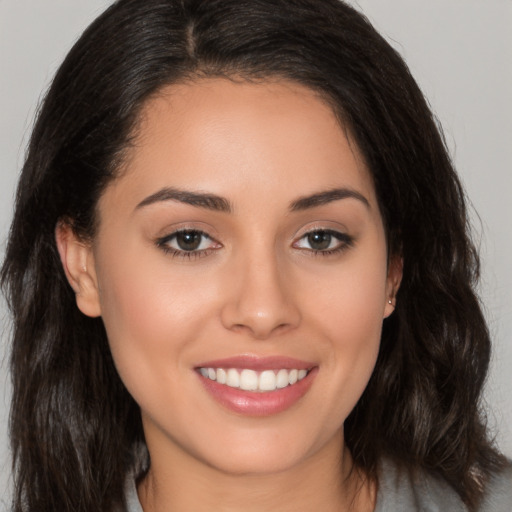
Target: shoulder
(402,491)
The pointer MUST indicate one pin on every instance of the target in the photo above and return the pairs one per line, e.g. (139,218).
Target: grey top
(400,492)
(132,500)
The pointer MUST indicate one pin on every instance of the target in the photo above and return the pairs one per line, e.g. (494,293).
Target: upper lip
(253,362)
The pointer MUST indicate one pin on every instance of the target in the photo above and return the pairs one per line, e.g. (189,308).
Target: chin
(266,452)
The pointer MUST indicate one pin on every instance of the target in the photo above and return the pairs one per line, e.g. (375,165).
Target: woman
(239,268)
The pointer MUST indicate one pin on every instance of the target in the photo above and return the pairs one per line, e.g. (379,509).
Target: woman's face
(242,242)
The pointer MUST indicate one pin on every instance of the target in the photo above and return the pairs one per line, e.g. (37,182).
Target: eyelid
(168,229)
(345,240)
(163,242)
(319,225)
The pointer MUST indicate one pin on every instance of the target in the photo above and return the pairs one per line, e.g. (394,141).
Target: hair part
(422,405)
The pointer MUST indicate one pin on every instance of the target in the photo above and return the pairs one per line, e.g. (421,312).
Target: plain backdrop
(460,51)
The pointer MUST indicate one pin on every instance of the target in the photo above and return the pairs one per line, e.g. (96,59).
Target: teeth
(250,380)
(282,379)
(233,378)
(267,381)
(221,376)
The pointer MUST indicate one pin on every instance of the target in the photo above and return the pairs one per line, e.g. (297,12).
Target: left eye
(188,240)
(322,240)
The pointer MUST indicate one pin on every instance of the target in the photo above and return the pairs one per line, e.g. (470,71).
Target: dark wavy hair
(74,427)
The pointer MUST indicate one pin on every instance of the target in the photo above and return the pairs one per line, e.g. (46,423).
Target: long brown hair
(75,430)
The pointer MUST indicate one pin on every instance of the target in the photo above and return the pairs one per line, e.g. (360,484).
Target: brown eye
(319,240)
(324,241)
(189,240)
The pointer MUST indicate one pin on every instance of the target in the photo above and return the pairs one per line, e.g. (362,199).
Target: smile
(256,381)
(253,385)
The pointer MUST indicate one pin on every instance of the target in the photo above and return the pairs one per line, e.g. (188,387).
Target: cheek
(149,314)
(360,313)
(348,314)
(349,301)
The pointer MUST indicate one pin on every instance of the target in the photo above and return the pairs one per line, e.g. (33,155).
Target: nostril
(260,301)
(261,331)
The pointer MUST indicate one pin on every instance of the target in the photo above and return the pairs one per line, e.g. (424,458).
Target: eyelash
(163,243)
(345,242)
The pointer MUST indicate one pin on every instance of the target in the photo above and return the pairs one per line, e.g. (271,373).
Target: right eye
(188,243)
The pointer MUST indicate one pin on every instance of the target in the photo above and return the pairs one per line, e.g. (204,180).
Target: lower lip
(264,403)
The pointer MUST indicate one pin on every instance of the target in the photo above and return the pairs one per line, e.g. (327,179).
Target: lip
(264,403)
(258,363)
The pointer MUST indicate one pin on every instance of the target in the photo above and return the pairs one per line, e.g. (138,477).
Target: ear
(395,272)
(77,260)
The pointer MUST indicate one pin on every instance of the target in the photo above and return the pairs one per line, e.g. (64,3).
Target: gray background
(460,51)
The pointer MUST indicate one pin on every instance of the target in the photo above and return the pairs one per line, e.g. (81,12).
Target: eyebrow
(220,204)
(328,196)
(199,199)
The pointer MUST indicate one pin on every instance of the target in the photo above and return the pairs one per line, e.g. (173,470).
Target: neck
(326,481)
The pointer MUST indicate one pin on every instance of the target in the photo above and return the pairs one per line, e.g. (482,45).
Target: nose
(261,301)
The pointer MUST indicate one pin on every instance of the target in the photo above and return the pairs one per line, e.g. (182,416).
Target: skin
(256,286)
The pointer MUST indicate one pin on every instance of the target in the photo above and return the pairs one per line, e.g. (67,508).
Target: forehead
(223,136)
